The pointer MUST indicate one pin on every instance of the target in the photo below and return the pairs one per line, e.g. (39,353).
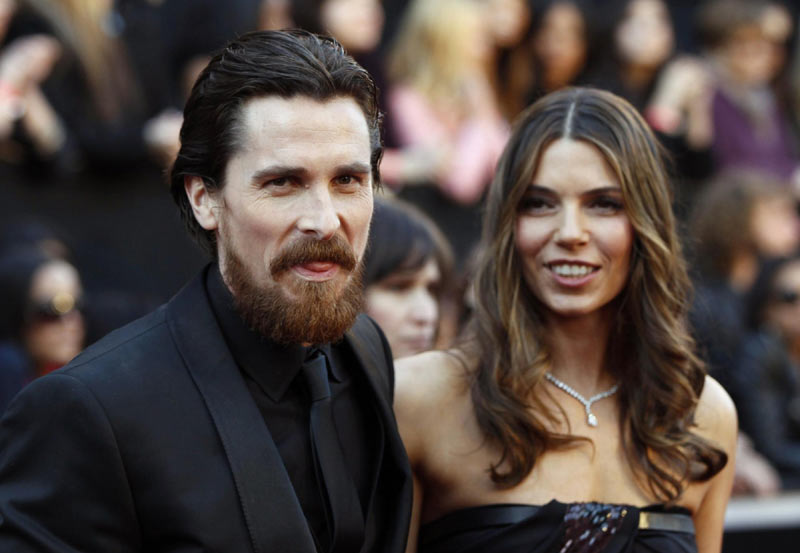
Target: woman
(448,127)
(580,293)
(766,378)
(406,266)
(560,45)
(42,327)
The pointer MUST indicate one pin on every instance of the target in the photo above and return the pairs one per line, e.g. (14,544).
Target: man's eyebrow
(278,171)
(357,168)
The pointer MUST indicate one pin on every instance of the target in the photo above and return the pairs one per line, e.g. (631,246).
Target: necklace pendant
(591,419)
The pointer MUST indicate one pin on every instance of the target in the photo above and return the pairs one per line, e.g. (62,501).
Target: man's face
(292,219)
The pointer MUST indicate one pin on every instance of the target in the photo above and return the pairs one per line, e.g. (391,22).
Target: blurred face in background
(754,54)
(54,331)
(774,226)
(560,44)
(357,24)
(783,312)
(508,20)
(405,305)
(645,38)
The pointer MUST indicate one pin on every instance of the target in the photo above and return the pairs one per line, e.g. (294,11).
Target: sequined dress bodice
(560,528)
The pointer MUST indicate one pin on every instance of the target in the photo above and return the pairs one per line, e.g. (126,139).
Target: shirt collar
(273,366)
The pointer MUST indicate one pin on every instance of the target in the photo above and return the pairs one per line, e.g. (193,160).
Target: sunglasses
(53,308)
(788,297)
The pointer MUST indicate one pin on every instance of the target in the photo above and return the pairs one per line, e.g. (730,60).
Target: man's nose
(319,216)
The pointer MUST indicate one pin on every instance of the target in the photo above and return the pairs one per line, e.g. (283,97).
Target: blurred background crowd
(91,93)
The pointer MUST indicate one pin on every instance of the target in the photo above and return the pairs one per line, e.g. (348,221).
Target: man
(220,421)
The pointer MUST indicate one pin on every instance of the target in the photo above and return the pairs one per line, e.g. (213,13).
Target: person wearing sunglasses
(766,379)
(41,325)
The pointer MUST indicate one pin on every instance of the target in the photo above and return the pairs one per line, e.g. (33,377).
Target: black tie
(342,507)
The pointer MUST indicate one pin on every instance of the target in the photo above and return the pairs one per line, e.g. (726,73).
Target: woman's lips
(572,274)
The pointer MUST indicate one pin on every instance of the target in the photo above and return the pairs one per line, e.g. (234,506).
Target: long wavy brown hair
(650,349)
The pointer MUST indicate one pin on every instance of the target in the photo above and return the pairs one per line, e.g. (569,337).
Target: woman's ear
(204,204)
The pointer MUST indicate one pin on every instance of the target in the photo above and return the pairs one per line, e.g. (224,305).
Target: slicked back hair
(258,64)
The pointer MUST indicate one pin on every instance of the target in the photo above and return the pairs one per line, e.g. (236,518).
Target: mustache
(309,250)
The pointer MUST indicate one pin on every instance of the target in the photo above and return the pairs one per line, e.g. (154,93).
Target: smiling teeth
(572,270)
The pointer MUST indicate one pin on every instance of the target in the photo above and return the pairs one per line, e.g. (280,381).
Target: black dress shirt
(273,376)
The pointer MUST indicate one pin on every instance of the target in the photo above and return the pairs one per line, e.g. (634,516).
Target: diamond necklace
(591,420)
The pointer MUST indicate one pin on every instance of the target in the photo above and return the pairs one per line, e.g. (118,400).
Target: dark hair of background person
(17,269)
(539,11)
(35,232)
(262,63)
(306,15)
(762,293)
(720,224)
(650,348)
(717,19)
(403,239)
(608,68)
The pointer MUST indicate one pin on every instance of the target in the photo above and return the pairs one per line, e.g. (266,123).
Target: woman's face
(357,24)
(55,330)
(507,20)
(774,226)
(784,309)
(406,306)
(560,44)
(644,37)
(573,236)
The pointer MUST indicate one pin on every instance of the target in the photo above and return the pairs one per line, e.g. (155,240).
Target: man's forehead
(301,131)
(303,111)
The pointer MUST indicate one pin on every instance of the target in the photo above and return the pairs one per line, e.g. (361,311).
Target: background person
(766,378)
(42,327)
(407,269)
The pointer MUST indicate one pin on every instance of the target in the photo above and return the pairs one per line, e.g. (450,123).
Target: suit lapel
(392,470)
(270,507)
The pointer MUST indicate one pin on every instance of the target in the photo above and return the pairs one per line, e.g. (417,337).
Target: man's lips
(317,270)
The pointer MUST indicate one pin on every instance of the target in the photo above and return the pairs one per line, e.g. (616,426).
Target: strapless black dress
(560,528)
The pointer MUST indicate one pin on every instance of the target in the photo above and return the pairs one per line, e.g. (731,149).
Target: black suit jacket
(150,441)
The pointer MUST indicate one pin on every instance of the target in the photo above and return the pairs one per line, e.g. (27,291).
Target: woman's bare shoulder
(430,376)
(429,388)
(716,415)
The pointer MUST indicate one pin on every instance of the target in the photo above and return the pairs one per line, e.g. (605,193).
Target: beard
(316,312)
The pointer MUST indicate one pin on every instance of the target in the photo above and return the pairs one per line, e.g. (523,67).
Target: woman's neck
(578,351)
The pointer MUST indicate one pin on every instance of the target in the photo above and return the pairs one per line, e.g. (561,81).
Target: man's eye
(279,182)
(347,179)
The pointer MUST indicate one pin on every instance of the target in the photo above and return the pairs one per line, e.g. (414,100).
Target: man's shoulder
(136,340)
(145,342)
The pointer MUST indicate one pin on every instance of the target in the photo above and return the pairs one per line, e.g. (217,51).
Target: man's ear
(205,205)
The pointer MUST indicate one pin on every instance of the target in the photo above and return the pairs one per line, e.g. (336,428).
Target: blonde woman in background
(445,115)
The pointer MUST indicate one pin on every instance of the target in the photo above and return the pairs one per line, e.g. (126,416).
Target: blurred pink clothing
(475,144)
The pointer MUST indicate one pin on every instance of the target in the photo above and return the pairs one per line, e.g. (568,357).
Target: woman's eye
(399,286)
(607,205)
(536,204)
